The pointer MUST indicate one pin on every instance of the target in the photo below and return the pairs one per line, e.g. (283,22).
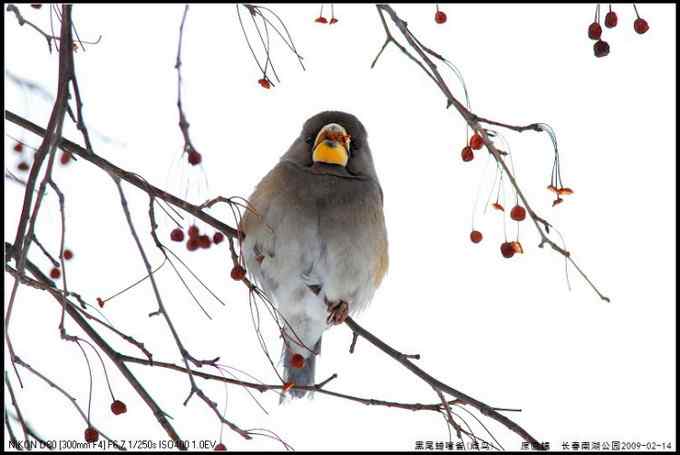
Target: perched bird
(315,239)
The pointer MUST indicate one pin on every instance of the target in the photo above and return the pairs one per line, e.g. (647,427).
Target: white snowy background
(508,332)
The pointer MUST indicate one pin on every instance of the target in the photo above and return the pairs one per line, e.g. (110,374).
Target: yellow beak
(331,145)
(330,152)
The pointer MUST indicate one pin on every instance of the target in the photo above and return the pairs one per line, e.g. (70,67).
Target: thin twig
(160,415)
(70,398)
(472,120)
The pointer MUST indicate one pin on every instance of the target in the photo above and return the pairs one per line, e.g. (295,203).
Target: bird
(314,237)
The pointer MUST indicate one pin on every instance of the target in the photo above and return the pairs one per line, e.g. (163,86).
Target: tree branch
(485,409)
(108,350)
(473,121)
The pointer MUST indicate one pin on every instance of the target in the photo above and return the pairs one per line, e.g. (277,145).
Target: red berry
(193,244)
(610,20)
(218,237)
(440,17)
(177,235)
(193,231)
(507,250)
(23,166)
(118,407)
(467,153)
(194,157)
(91,435)
(476,141)
(55,273)
(476,236)
(594,31)
(321,20)
(220,447)
(333,21)
(640,25)
(265,83)
(18,147)
(100,302)
(517,247)
(68,255)
(65,158)
(238,273)
(297,361)
(204,241)
(518,213)
(601,48)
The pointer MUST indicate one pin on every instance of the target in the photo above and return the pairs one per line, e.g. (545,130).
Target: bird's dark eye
(309,140)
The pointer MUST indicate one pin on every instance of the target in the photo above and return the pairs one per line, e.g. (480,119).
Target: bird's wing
(280,248)
(354,256)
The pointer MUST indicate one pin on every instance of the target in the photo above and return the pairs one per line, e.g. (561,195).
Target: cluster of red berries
(601,47)
(517,213)
(508,249)
(91,433)
(562,191)
(323,20)
(23,166)
(196,240)
(55,273)
(439,16)
(476,143)
(264,82)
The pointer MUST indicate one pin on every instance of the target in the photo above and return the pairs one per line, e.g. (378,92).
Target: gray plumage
(317,235)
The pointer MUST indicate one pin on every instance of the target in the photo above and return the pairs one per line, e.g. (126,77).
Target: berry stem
(636,11)
(89,369)
(135,283)
(106,374)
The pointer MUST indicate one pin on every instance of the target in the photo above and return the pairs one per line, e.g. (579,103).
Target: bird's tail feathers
(299,376)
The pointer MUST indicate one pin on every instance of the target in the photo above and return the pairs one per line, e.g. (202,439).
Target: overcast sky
(508,332)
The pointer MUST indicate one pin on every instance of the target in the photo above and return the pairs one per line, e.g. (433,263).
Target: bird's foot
(337,312)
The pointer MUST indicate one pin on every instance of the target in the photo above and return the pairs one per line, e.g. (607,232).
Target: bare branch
(109,351)
(471,119)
